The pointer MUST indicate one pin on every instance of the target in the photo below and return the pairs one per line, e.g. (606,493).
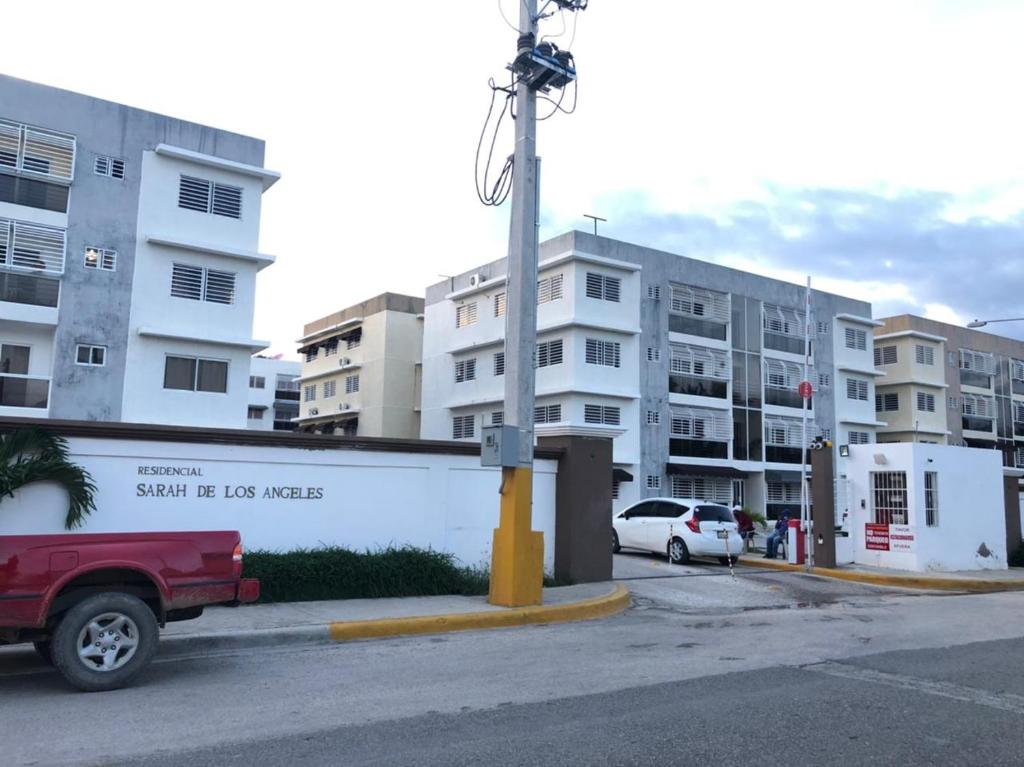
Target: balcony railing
(29,289)
(24,391)
(36,152)
(31,247)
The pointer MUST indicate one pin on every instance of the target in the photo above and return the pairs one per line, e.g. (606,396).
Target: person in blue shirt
(778,535)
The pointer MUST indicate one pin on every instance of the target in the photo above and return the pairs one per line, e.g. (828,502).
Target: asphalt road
(775,668)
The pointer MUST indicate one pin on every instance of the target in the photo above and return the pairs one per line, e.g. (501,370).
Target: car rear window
(713,514)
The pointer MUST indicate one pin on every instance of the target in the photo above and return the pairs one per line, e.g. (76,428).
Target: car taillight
(236,555)
(694,524)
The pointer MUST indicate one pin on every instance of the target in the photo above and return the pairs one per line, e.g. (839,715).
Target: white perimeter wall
(359,499)
(971,507)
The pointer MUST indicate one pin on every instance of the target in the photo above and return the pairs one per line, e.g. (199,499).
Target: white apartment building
(361,369)
(273,393)
(691,368)
(128,261)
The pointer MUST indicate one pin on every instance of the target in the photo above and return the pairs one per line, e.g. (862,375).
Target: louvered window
(209,197)
(976,405)
(924,355)
(1017,370)
(654,292)
(463,426)
(100,258)
(700,302)
(855,338)
(979,362)
(1018,457)
(311,353)
(699,361)
(201,284)
(500,301)
(547,414)
(653,482)
(37,152)
(309,393)
(331,347)
(602,414)
(653,418)
(499,363)
(782,321)
(824,381)
(1018,412)
(548,353)
(465,370)
(787,432)
(779,374)
(701,424)
(885,355)
(782,491)
(497,418)
(653,354)
(108,166)
(606,353)
(549,289)
(465,315)
(31,247)
(351,384)
(330,389)
(925,402)
(713,489)
(887,402)
(603,287)
(859,438)
(857,388)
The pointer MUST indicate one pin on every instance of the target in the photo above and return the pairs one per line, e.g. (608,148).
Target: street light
(983,323)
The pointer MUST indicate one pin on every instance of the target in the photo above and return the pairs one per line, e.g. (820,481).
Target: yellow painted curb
(587,609)
(898,581)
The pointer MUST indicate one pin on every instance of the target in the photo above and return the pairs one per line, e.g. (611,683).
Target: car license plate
(723,533)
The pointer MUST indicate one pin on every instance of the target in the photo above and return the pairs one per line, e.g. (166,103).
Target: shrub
(332,572)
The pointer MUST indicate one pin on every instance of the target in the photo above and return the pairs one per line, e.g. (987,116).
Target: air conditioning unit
(314,411)
(344,406)
(476,280)
(345,361)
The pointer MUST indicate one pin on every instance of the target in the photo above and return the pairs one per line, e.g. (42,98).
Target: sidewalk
(964,580)
(262,625)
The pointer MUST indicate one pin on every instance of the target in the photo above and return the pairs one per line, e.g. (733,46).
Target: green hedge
(336,573)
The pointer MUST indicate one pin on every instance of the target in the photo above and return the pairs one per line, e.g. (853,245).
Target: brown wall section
(395,302)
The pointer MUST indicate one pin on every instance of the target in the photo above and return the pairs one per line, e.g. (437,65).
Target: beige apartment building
(950,385)
(361,369)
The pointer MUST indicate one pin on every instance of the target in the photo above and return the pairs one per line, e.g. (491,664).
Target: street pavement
(706,667)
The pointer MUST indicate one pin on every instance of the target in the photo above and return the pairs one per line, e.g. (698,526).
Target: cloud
(900,250)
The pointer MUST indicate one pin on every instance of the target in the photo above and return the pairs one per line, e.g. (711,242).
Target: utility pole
(517,559)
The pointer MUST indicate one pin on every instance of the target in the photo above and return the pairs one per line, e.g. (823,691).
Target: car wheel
(678,554)
(104,641)
(616,548)
(44,651)
(728,560)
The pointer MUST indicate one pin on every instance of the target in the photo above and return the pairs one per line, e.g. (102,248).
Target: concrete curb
(587,609)
(926,582)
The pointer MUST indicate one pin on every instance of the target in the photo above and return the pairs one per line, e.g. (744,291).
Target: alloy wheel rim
(107,642)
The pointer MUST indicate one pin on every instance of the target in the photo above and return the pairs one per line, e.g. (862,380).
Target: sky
(875,146)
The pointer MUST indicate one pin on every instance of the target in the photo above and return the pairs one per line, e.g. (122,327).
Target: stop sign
(805,389)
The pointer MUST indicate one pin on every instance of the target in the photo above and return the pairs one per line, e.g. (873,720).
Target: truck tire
(104,641)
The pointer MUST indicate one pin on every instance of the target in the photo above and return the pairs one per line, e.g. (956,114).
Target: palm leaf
(35,455)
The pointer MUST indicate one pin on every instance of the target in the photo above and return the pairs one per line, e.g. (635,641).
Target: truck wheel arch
(83,584)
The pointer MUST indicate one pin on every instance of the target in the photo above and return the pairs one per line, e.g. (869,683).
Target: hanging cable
(494,194)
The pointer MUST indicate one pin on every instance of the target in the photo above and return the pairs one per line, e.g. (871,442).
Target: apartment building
(273,394)
(361,369)
(691,368)
(128,261)
(950,385)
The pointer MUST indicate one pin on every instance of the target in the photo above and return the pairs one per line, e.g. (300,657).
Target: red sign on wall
(876,537)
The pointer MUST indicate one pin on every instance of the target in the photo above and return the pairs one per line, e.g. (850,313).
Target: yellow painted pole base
(517,558)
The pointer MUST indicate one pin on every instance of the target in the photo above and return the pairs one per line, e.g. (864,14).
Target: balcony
(29,289)
(37,153)
(24,391)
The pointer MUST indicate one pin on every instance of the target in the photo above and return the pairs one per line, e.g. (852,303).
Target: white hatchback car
(680,527)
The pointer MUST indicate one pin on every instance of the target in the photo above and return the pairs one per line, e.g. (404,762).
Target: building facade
(691,368)
(273,394)
(950,385)
(128,261)
(361,369)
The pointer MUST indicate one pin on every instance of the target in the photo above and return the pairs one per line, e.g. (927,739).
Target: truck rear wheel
(104,641)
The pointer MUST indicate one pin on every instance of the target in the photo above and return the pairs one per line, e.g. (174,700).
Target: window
(548,353)
(700,424)
(885,355)
(603,287)
(199,283)
(100,258)
(859,438)
(699,312)
(497,418)
(925,402)
(653,354)
(857,388)
(255,413)
(1017,370)
(601,414)
(931,499)
(887,402)
(108,166)
(653,417)
(331,347)
(855,338)
(824,381)
(309,393)
(311,353)
(889,497)
(654,292)
(499,363)
(954,403)
(30,246)
(330,389)
(976,368)
(606,353)
(783,329)
(463,427)
(14,359)
(500,301)
(924,355)
(351,384)
(615,489)
(354,339)
(257,382)
(823,329)
(465,370)
(465,315)
(654,482)
(196,374)
(702,488)
(95,356)
(549,289)
(33,150)
(782,382)
(547,414)
(209,197)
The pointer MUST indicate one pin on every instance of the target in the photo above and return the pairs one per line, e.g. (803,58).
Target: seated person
(778,535)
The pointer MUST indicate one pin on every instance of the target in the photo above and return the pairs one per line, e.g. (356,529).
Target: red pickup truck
(92,603)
